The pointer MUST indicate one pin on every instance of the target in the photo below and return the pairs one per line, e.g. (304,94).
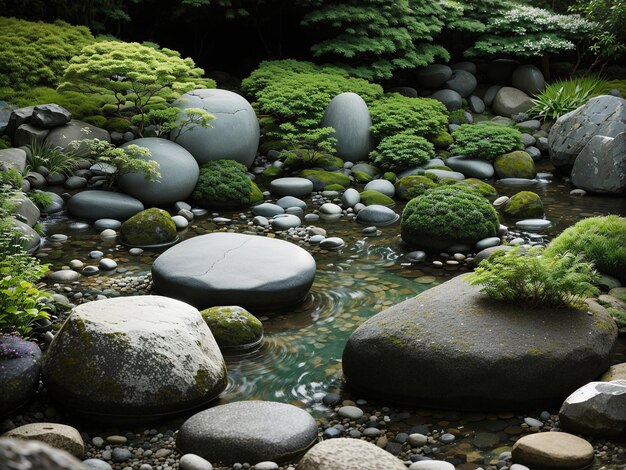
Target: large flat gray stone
(95,204)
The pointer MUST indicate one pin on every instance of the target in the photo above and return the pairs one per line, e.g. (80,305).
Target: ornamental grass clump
(529,275)
(485,140)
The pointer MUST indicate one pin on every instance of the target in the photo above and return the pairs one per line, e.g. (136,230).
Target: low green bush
(401,151)
(225,184)
(600,239)
(486,141)
(533,277)
(409,187)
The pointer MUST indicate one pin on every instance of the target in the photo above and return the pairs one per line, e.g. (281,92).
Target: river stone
(455,175)
(471,167)
(615,372)
(194,462)
(267,209)
(95,204)
(377,215)
(533,224)
(553,450)
(598,408)
(97,464)
(431,465)
(524,205)
(25,210)
(602,115)
(382,186)
(64,276)
(75,182)
(510,101)
(31,239)
(348,454)
(20,454)
(439,335)
(181,222)
(287,202)
(49,116)
(529,79)
(179,173)
(103,224)
(347,113)
(248,431)
(285,221)
(601,165)
(292,186)
(234,328)
(490,94)
(476,104)
(233,135)
(332,243)
(517,164)
(463,82)
(75,130)
(433,76)
(59,436)
(138,357)
(450,99)
(152,227)
(351,197)
(19,374)
(257,273)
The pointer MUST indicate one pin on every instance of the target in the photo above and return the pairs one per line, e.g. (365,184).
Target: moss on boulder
(321,178)
(147,228)
(443,140)
(524,205)
(328,162)
(372,196)
(272,172)
(484,188)
(233,327)
(412,186)
(518,164)
(362,177)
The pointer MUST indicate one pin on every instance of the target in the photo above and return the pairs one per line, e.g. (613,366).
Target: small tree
(139,76)
(175,122)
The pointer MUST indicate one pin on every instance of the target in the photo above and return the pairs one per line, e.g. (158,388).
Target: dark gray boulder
(433,76)
(463,82)
(49,116)
(19,374)
(471,167)
(95,204)
(248,431)
(451,99)
(75,130)
(603,115)
(601,165)
(18,117)
(476,104)
(453,347)
(257,273)
(5,114)
(27,134)
(529,79)
(500,71)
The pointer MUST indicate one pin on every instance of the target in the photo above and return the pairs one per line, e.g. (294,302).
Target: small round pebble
(120,454)
(194,462)
(135,251)
(350,412)
(266,466)
(108,235)
(96,464)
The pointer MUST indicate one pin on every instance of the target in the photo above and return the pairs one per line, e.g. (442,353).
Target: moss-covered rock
(390,176)
(524,205)
(116,125)
(446,216)
(224,184)
(362,177)
(443,140)
(518,164)
(321,178)
(372,196)
(328,162)
(271,144)
(147,228)
(484,188)
(335,187)
(272,172)
(233,327)
(412,186)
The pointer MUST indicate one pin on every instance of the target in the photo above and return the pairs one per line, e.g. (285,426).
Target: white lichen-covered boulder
(137,357)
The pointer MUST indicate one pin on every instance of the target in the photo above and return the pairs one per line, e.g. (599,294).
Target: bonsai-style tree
(175,122)
(132,75)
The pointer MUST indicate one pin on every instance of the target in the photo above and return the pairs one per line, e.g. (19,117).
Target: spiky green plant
(52,158)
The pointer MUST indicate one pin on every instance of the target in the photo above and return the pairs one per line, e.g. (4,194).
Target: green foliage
(225,184)
(52,158)
(130,159)
(40,199)
(401,151)
(485,140)
(373,38)
(562,96)
(321,179)
(174,122)
(303,149)
(395,113)
(526,31)
(457,117)
(531,276)
(12,178)
(484,188)
(5,142)
(451,213)
(35,54)
(600,239)
(409,187)
(132,75)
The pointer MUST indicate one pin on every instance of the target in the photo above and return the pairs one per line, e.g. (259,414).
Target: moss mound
(233,327)
(362,177)
(224,184)
(448,215)
(484,188)
(524,205)
(412,186)
(518,164)
(442,140)
(328,162)
(371,197)
(150,227)
(272,172)
(600,239)
(321,178)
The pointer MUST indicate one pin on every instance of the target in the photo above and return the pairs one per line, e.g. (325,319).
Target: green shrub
(442,140)
(409,187)
(449,213)
(40,199)
(600,239)
(395,113)
(225,184)
(402,151)
(485,141)
(457,117)
(533,277)
(36,53)
(563,96)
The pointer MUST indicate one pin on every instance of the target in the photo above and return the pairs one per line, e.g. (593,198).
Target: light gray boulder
(138,357)
(347,113)
(248,431)
(603,115)
(436,342)
(382,186)
(179,174)
(510,101)
(13,157)
(529,79)
(31,239)
(49,116)
(25,210)
(291,186)
(601,165)
(598,408)
(377,215)
(233,135)
(257,273)
(348,454)
(75,131)
(471,167)
(95,204)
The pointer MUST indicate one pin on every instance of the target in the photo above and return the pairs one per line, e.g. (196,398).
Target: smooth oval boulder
(529,79)
(433,76)
(510,101)
(348,454)
(476,352)
(95,204)
(451,99)
(248,431)
(233,134)
(234,328)
(463,82)
(135,358)
(257,273)
(291,186)
(347,113)
(377,215)
(179,174)
(553,450)
(471,167)
(517,164)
